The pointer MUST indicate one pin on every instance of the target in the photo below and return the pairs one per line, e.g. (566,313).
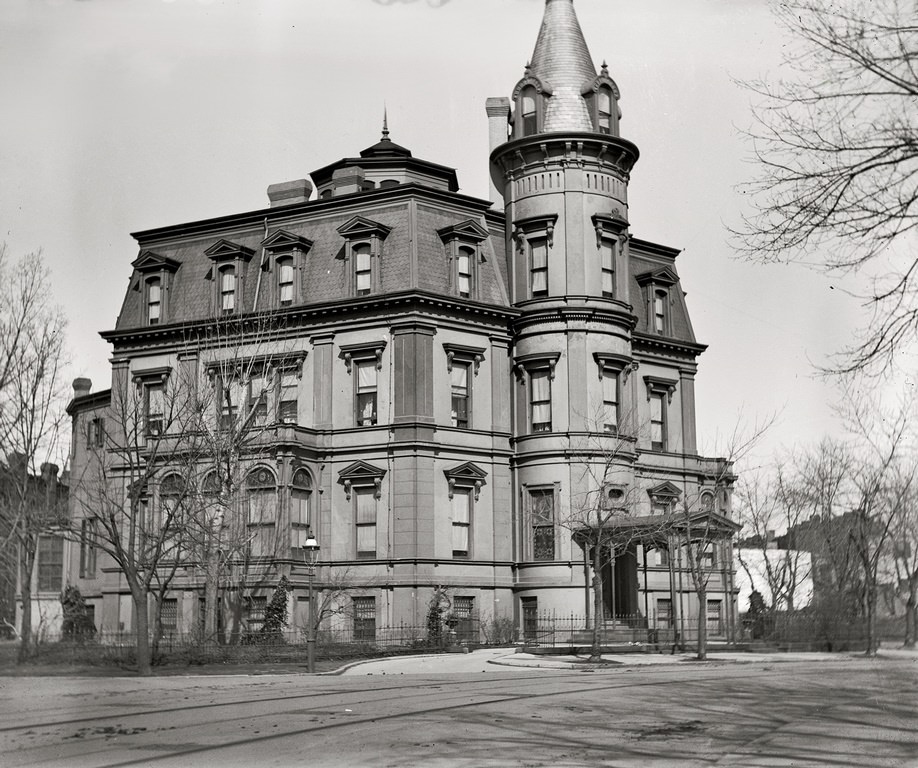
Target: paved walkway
(508,660)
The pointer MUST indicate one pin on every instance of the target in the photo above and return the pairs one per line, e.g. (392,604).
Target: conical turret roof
(562,60)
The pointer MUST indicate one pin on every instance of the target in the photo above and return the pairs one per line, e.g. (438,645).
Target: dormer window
(463,251)
(659,310)
(229,260)
(154,291)
(285,281)
(602,97)
(363,251)
(363,272)
(156,276)
(286,259)
(227,290)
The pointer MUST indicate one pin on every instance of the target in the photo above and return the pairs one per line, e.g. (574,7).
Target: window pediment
(463,353)
(664,493)
(358,227)
(150,261)
(622,363)
(152,375)
(535,226)
(466,475)
(468,231)
(542,86)
(525,363)
(361,474)
(364,351)
(663,276)
(660,385)
(282,241)
(225,250)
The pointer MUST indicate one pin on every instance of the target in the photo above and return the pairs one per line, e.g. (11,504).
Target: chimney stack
(81,386)
(289,193)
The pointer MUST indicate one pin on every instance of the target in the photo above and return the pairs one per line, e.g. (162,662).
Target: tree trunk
(211,590)
(596,649)
(142,631)
(911,611)
(871,600)
(26,566)
(702,624)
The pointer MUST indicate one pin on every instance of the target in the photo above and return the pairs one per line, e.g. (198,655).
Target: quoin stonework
(438,388)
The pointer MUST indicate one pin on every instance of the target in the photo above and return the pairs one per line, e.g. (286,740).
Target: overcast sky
(122,115)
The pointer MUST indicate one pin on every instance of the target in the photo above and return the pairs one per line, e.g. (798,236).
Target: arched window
(604,109)
(300,499)
(285,281)
(261,497)
(228,290)
(154,301)
(171,496)
(529,108)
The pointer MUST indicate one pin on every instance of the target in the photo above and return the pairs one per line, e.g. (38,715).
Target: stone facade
(446,384)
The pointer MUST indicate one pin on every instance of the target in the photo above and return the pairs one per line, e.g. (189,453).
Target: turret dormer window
(530,114)
(604,110)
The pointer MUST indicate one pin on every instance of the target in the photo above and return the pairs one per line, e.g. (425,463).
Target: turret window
(607,259)
(538,268)
(540,399)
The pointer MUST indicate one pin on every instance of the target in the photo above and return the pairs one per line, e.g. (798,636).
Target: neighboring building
(429,376)
(42,499)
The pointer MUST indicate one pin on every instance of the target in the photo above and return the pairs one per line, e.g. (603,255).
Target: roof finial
(385,124)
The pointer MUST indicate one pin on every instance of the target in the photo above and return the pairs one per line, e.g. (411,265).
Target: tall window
(659,311)
(464,613)
(170,512)
(169,615)
(365,511)
(462,521)
(50,563)
(364,619)
(605,110)
(609,399)
(88,548)
(464,272)
(540,400)
(95,433)
(715,616)
(287,402)
(362,270)
(300,499)
(154,301)
(607,259)
(232,395)
(154,409)
(228,290)
(459,384)
(538,268)
(366,392)
(285,281)
(657,421)
(664,611)
(530,113)
(542,516)
(261,492)
(255,608)
(257,406)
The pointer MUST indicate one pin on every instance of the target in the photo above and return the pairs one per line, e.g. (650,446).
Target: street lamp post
(311,553)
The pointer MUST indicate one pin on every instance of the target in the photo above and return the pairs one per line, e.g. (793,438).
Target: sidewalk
(507,660)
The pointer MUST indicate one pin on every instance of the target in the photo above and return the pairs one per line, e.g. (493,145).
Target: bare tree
(771,507)
(602,517)
(31,413)
(837,147)
(905,554)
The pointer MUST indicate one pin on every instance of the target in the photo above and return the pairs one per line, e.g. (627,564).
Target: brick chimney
(289,192)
